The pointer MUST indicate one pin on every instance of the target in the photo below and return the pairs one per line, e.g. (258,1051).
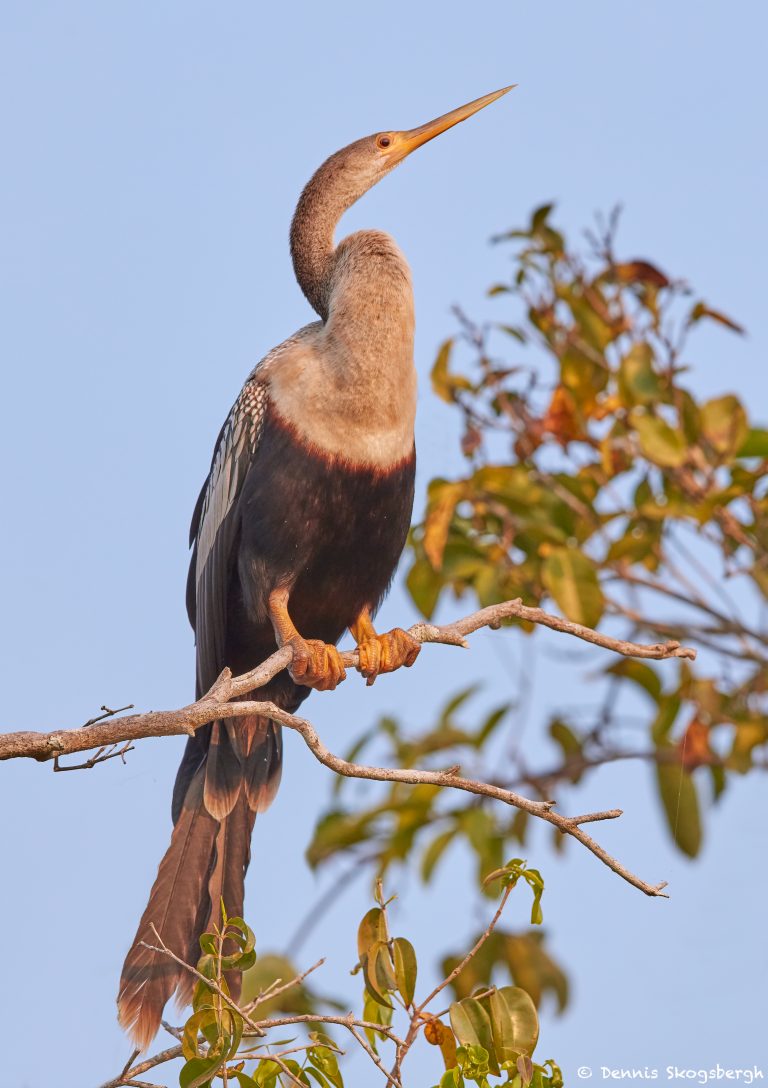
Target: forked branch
(218,704)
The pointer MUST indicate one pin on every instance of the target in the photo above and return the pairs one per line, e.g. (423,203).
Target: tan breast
(340,406)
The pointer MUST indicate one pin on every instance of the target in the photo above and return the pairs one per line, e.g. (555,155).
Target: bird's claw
(385,653)
(316,664)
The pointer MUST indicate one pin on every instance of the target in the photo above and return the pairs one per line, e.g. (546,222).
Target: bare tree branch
(216,704)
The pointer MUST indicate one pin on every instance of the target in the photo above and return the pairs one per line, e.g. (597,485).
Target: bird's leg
(315,664)
(382,653)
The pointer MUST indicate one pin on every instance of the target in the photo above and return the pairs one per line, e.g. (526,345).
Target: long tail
(229,773)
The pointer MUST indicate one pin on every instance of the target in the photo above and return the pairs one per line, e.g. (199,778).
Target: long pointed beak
(409,141)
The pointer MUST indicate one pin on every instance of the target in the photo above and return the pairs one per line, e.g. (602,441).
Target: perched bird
(295,537)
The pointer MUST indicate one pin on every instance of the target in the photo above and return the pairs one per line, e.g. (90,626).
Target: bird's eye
(384,141)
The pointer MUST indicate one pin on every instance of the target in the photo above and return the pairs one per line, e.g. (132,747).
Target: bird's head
(366,161)
(343,179)
(387,149)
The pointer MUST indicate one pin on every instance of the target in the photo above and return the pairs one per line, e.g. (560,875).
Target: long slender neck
(325,199)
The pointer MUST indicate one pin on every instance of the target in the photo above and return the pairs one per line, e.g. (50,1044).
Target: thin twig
(209,982)
(321,1018)
(374,1057)
(143,1067)
(275,989)
(471,954)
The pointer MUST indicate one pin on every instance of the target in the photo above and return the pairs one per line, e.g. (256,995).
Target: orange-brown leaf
(694,746)
(640,272)
(561,418)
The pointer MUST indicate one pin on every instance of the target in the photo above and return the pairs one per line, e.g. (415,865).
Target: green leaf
(571,580)
(266,1073)
(198,1072)
(638,381)
(724,425)
(681,806)
(659,442)
(324,1059)
(755,444)
(297,1072)
(244,1080)
(472,1027)
(375,1013)
(514,1022)
(536,884)
(424,585)
(404,956)
(315,1074)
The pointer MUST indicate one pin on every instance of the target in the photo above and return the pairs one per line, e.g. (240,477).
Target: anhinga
(296,535)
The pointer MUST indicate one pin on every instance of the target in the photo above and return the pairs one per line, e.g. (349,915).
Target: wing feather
(218,527)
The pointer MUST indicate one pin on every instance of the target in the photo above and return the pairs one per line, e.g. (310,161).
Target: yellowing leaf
(378,973)
(371,930)
(444,383)
(513,1023)
(443,497)
(724,424)
(571,580)
(659,442)
(584,378)
(700,310)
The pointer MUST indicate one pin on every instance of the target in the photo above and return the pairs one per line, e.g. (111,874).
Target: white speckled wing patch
(239,440)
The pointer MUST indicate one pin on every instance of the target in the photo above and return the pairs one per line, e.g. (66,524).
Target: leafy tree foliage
(598,481)
(484,1039)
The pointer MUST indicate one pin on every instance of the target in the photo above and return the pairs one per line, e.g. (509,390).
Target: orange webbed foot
(315,664)
(385,653)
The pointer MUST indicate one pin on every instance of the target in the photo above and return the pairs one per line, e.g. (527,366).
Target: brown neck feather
(332,189)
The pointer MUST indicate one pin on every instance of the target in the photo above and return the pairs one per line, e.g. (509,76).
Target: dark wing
(215,525)
(214,533)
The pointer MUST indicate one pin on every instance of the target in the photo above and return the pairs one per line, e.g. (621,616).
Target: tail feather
(204,866)
(224,769)
(263,763)
(149,978)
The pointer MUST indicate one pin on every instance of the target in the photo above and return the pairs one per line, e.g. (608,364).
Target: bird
(295,538)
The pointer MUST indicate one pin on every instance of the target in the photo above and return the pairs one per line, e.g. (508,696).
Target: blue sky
(152,155)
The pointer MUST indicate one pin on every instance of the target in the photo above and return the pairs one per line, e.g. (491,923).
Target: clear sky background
(152,155)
